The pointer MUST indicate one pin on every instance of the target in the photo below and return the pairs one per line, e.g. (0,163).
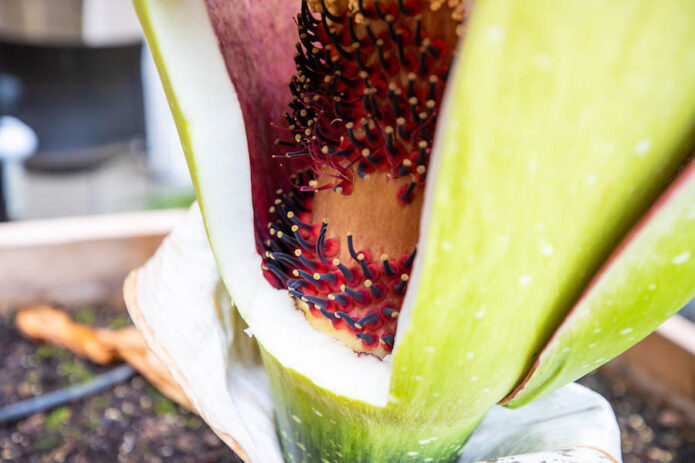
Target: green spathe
(316,425)
(563,122)
(562,126)
(647,281)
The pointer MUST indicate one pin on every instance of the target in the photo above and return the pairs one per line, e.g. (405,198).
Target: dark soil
(650,430)
(133,422)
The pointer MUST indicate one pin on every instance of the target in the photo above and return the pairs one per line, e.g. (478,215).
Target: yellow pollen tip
(317,276)
(290,215)
(384,257)
(404,277)
(294,228)
(368,283)
(342,288)
(295,273)
(360,256)
(336,262)
(297,252)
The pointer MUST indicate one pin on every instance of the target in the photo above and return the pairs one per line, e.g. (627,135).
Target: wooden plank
(77,260)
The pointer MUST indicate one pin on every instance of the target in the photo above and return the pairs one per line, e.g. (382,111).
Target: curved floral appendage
(573,417)
(174,301)
(644,282)
(571,455)
(257,42)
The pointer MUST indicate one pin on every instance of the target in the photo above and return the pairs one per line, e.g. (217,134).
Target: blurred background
(84,124)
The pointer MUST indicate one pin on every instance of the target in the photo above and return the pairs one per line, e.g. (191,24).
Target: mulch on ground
(131,422)
(650,430)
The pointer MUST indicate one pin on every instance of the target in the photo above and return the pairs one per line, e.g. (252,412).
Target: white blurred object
(109,22)
(87,22)
(165,159)
(17,142)
(176,302)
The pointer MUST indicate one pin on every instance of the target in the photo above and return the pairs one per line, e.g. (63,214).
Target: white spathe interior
(211,117)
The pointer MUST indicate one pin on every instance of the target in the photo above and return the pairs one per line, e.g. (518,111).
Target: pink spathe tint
(257,42)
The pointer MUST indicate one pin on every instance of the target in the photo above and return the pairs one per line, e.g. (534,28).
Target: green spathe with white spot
(539,163)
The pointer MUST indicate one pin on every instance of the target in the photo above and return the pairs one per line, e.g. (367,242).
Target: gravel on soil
(650,430)
(131,422)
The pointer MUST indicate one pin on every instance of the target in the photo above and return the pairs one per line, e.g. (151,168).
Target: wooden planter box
(84,260)
(77,260)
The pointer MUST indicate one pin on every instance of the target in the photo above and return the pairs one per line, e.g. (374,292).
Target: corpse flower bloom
(438,213)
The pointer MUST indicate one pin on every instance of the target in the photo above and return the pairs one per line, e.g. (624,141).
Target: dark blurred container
(78,64)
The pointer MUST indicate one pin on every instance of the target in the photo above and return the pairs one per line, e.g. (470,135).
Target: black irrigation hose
(19,410)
